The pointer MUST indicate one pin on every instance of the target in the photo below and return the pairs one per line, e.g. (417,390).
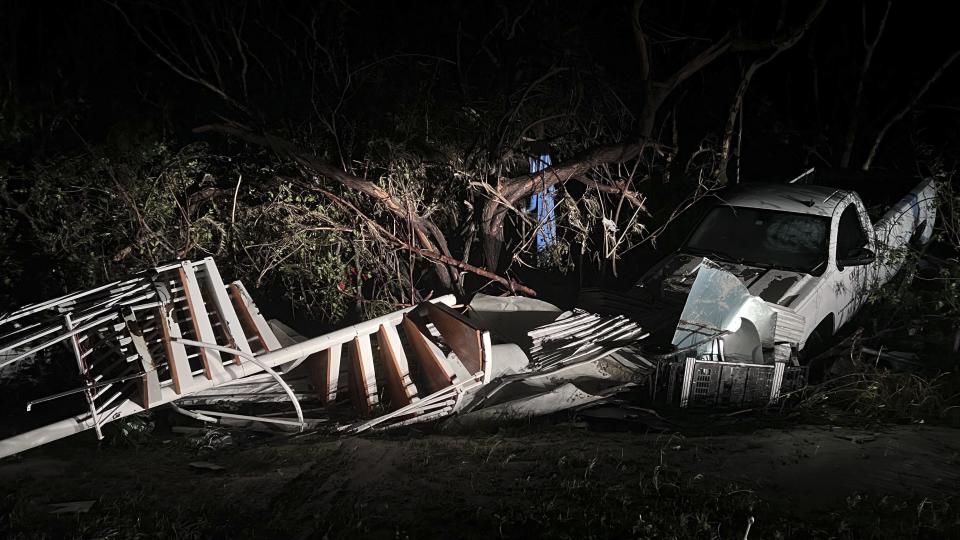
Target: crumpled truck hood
(673,277)
(720,304)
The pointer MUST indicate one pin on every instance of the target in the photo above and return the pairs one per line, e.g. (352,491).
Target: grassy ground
(559,480)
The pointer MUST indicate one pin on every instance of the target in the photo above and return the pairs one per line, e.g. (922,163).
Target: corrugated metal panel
(790,324)
(584,336)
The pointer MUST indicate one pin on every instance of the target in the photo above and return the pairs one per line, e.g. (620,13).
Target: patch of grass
(878,395)
(560,483)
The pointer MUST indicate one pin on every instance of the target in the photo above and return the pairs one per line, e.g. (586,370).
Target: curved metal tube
(261,365)
(194,415)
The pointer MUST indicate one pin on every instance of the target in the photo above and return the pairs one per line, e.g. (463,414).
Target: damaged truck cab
(773,270)
(810,253)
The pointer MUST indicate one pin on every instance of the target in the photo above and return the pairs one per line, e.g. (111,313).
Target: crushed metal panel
(581,336)
(717,303)
(510,318)
(790,325)
(565,396)
(709,383)
(599,352)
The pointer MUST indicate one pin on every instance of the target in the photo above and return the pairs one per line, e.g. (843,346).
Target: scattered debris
(624,417)
(895,360)
(74,507)
(206,466)
(139,343)
(176,335)
(857,439)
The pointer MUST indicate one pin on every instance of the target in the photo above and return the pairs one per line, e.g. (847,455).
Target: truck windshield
(762,238)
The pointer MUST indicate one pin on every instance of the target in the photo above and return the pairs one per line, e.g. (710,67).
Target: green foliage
(80,220)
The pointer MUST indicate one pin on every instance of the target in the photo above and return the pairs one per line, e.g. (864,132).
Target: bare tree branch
(428,234)
(511,190)
(780,44)
(182,69)
(858,97)
(510,284)
(907,108)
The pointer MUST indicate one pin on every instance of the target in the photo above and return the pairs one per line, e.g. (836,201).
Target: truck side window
(850,235)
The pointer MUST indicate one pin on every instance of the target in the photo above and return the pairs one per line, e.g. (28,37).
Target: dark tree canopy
(343,155)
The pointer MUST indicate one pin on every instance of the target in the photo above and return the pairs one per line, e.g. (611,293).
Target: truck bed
(879,191)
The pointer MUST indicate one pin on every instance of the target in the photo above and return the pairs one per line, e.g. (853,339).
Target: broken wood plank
(224,308)
(324,371)
(399,386)
(150,381)
(254,323)
(431,361)
(363,377)
(460,335)
(201,324)
(175,352)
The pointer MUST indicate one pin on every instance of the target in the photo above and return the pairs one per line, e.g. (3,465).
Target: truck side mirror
(858,257)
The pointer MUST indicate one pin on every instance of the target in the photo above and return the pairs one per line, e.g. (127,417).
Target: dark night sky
(81,58)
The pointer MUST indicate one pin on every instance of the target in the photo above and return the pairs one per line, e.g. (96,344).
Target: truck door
(851,282)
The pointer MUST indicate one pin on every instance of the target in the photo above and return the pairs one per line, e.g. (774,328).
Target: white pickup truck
(806,253)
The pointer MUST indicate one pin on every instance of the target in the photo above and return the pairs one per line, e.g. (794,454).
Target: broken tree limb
(426,231)
(510,284)
(510,191)
(631,196)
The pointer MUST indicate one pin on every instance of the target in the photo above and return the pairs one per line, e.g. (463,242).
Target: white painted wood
(57,339)
(344,335)
(263,327)
(389,337)
(217,414)
(199,312)
(487,344)
(81,366)
(180,372)
(333,356)
(222,302)
(126,407)
(364,359)
(151,384)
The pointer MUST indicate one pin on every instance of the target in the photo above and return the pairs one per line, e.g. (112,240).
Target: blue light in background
(543,202)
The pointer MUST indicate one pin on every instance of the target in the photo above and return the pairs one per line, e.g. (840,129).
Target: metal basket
(701,383)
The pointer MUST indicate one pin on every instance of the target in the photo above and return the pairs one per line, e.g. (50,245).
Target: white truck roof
(801,199)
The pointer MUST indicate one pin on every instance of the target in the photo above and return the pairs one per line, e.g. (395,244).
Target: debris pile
(139,343)
(177,336)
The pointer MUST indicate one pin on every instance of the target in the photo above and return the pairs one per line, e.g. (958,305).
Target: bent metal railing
(177,330)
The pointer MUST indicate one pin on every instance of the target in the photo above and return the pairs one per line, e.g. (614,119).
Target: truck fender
(818,339)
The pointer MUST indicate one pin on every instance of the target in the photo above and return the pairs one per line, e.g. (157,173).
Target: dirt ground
(559,480)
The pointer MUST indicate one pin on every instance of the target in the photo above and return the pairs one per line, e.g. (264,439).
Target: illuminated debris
(177,335)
